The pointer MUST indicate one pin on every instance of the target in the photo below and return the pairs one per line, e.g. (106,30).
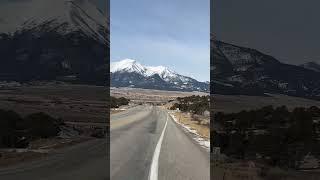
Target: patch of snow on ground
(204,143)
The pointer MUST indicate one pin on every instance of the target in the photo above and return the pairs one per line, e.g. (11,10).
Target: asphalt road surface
(85,161)
(147,144)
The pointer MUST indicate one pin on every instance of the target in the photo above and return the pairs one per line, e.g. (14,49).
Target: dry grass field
(232,103)
(75,103)
(201,125)
(137,95)
(83,108)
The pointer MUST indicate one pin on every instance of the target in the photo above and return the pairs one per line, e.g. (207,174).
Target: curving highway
(147,144)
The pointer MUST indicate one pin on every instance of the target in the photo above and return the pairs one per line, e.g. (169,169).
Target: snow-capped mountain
(129,72)
(61,16)
(240,70)
(50,40)
(130,65)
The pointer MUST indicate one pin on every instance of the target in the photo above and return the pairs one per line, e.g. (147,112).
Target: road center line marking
(153,174)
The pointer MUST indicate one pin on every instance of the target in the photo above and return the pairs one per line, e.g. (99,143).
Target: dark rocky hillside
(240,70)
(69,44)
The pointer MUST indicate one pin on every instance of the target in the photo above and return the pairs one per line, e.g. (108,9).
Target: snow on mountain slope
(62,16)
(65,40)
(131,73)
(130,65)
(242,70)
(241,58)
(162,71)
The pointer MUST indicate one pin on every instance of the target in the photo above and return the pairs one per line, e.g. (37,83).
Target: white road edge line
(153,174)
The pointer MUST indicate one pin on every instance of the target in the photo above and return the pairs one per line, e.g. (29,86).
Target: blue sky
(173,33)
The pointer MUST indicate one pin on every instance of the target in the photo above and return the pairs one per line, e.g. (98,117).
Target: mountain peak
(242,70)
(132,65)
(63,40)
(62,16)
(128,65)
(145,76)
(162,71)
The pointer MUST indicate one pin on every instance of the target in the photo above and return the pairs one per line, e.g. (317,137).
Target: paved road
(136,133)
(85,161)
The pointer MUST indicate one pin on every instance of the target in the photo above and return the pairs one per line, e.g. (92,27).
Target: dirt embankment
(198,123)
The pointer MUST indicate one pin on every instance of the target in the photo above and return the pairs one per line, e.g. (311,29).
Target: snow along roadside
(203,143)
